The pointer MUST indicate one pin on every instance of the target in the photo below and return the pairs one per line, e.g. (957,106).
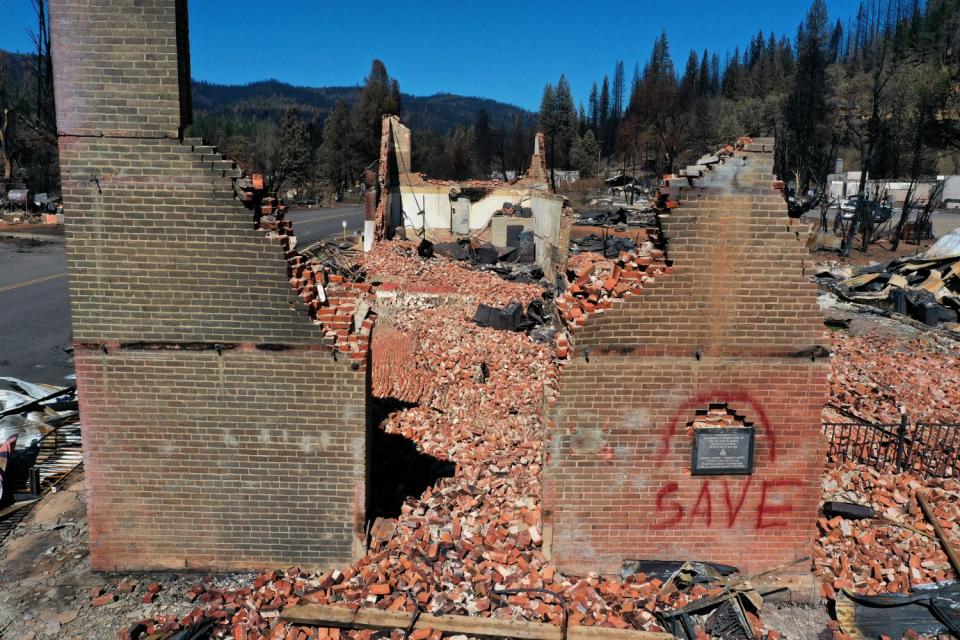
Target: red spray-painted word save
(719,503)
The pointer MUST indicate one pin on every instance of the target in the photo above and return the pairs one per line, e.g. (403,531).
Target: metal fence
(923,448)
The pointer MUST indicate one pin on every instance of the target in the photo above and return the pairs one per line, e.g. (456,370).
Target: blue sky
(501,50)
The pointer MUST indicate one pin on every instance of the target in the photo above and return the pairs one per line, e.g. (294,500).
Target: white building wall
(436,206)
(547,212)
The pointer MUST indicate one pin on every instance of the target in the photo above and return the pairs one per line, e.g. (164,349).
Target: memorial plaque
(722,451)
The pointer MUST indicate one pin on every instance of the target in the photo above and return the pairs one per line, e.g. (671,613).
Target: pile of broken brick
(340,307)
(874,538)
(396,266)
(595,282)
(433,356)
(895,547)
(477,393)
(874,376)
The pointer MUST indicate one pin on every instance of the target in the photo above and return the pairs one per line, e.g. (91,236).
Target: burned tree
(28,126)
(866,139)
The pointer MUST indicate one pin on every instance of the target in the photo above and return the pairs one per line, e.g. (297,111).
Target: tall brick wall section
(220,430)
(735,322)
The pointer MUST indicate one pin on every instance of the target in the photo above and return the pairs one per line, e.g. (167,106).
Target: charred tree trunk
(904,215)
(915,168)
(6,163)
(867,152)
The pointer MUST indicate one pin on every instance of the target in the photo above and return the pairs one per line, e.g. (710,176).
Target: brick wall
(221,430)
(735,323)
(117,70)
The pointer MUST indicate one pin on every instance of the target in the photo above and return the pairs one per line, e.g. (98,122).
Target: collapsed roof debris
(930,610)
(617,216)
(925,287)
(610,247)
(39,444)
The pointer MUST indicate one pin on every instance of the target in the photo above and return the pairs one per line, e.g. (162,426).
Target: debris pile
(925,287)
(398,266)
(252,612)
(39,427)
(609,246)
(611,216)
(836,269)
(897,548)
(514,210)
(340,307)
(454,547)
(594,282)
(395,371)
(874,375)
(482,253)
(437,358)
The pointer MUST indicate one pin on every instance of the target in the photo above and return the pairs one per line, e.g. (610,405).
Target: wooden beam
(944,541)
(319,615)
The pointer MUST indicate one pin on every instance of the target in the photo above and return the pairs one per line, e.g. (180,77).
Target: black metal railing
(935,449)
(927,449)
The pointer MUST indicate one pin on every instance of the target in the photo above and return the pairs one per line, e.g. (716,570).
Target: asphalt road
(310,225)
(34,311)
(943,221)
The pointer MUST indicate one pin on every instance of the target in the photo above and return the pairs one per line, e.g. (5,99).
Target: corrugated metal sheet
(946,247)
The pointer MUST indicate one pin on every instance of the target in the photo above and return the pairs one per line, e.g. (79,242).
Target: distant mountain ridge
(270,99)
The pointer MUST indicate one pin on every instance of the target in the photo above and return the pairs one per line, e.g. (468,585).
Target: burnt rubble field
(455,524)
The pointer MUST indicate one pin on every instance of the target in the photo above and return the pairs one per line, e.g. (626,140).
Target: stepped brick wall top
(730,324)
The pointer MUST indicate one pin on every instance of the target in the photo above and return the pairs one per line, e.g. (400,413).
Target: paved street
(34,311)
(943,222)
(310,225)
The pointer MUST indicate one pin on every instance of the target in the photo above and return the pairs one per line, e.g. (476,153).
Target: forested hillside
(244,121)
(270,99)
(880,89)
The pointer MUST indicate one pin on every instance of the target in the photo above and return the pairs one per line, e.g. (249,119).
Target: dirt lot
(46,584)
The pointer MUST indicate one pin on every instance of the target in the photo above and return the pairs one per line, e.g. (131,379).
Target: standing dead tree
(866,142)
(7,115)
(43,119)
(922,224)
(27,113)
(6,162)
